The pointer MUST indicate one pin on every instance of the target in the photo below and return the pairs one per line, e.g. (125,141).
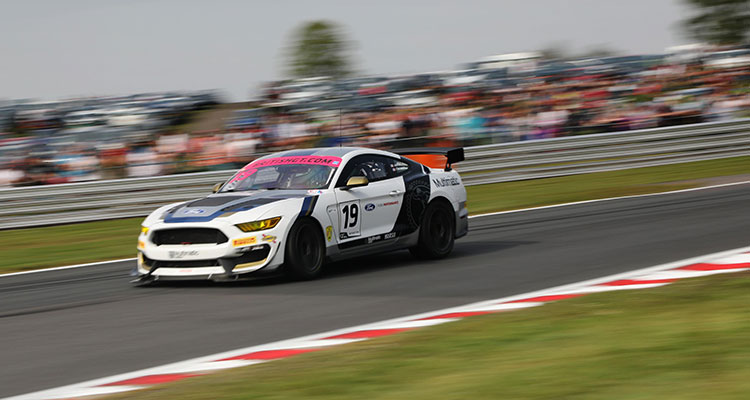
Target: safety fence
(101,200)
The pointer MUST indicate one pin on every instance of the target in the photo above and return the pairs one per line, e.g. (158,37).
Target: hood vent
(214,201)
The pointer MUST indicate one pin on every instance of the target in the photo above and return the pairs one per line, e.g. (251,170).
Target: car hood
(221,204)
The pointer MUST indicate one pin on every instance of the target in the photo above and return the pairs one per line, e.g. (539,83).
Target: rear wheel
(438,232)
(305,250)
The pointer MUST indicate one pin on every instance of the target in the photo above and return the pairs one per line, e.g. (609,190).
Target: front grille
(187,236)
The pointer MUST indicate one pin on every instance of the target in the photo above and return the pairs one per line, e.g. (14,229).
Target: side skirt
(336,253)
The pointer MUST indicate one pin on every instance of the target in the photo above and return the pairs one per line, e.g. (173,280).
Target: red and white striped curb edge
(724,262)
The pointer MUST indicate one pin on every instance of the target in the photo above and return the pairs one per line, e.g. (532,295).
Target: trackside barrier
(134,197)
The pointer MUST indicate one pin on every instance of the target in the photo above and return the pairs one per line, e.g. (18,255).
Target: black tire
(437,233)
(305,251)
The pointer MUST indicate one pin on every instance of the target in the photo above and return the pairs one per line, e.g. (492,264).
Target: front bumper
(242,253)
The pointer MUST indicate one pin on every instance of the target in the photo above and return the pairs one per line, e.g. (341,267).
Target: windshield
(300,172)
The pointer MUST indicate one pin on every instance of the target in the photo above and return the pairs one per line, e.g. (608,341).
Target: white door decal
(351,218)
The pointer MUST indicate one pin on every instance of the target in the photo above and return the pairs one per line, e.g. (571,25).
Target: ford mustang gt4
(295,210)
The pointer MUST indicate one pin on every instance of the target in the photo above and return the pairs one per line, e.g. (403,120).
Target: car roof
(328,151)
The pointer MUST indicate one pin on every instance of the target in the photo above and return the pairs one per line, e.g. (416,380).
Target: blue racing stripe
(308,205)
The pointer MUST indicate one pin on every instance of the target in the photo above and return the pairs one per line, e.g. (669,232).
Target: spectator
(468,108)
(10,174)
(142,160)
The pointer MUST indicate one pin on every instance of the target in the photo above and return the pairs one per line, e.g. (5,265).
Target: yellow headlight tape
(272,222)
(259,225)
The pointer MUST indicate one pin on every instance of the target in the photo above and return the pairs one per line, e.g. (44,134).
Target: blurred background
(95,90)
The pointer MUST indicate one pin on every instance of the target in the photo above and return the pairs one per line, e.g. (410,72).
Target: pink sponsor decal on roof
(252,168)
(312,160)
(243,174)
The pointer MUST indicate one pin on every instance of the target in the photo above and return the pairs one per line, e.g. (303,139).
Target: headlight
(144,230)
(259,225)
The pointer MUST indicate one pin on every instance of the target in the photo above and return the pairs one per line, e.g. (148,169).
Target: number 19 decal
(350,219)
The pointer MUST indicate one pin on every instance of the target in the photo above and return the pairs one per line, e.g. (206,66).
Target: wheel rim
(440,229)
(308,249)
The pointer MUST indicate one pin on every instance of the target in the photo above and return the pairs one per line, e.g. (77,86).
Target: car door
(368,213)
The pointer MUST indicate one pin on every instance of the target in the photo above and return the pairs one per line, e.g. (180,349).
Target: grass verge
(683,341)
(540,192)
(24,249)
(32,248)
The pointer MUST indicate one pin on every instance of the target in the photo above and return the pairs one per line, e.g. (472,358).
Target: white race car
(292,211)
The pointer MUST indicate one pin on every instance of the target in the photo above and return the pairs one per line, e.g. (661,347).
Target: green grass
(24,249)
(683,341)
(539,192)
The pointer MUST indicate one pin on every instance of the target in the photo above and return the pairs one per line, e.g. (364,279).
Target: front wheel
(305,251)
(438,232)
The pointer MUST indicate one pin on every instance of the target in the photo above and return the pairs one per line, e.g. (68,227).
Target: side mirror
(356,181)
(217,187)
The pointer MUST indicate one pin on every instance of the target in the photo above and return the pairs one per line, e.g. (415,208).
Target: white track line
(218,361)
(470,216)
(34,271)
(574,203)
(735,259)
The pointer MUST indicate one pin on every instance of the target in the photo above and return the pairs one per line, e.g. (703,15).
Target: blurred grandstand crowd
(499,99)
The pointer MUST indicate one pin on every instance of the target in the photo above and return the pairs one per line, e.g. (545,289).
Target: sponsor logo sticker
(291,160)
(369,207)
(183,253)
(244,241)
(141,245)
(268,238)
(329,233)
(373,239)
(315,191)
(252,168)
(390,203)
(195,211)
(378,238)
(445,182)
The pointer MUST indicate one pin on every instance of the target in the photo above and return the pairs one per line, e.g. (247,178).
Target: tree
(598,51)
(558,51)
(319,49)
(721,22)
(555,51)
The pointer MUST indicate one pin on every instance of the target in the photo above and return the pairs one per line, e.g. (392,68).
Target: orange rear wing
(434,157)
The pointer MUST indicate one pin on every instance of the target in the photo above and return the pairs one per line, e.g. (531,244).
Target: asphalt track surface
(67,326)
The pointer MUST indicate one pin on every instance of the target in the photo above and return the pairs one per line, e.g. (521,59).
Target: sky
(54,49)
